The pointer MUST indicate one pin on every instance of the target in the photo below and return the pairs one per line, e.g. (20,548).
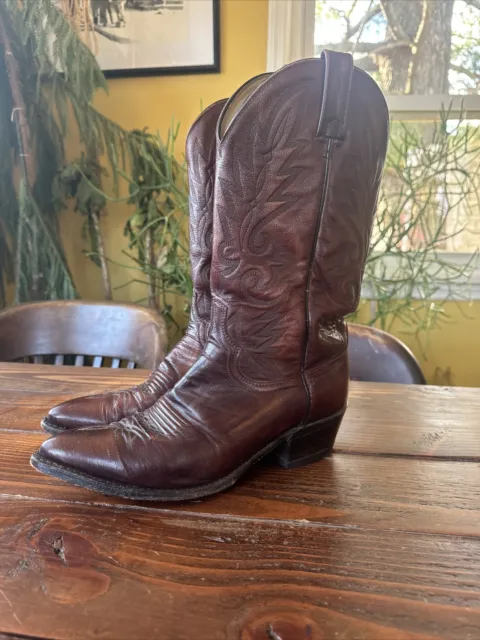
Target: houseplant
(157,230)
(49,77)
(430,186)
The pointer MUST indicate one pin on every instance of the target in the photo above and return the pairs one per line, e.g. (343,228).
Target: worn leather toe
(104,409)
(76,413)
(92,451)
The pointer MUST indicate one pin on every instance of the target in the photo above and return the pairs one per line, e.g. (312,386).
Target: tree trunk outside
(422,67)
(431,54)
(404,18)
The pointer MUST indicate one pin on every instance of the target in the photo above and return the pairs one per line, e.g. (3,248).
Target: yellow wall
(453,349)
(449,353)
(152,102)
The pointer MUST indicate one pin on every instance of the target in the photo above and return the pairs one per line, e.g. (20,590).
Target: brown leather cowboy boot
(297,175)
(108,407)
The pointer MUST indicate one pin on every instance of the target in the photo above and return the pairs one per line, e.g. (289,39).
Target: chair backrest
(377,356)
(83,333)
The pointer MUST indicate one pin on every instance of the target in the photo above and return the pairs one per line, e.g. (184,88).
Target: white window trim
(470,291)
(428,107)
(291,27)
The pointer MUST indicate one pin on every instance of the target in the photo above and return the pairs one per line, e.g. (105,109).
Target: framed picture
(157,37)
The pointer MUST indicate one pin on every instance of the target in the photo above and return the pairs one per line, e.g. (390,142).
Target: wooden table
(380,541)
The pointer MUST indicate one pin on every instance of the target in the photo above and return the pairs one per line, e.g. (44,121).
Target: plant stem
(19,110)
(107,285)
(23,137)
(150,261)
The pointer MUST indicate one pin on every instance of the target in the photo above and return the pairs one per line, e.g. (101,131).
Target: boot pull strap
(336,94)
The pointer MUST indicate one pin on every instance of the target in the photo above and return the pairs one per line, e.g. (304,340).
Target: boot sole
(53,429)
(297,447)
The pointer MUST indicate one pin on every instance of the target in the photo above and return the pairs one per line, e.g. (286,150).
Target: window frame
(291,28)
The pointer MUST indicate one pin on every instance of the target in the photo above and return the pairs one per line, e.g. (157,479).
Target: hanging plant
(81,181)
(429,196)
(157,229)
(48,78)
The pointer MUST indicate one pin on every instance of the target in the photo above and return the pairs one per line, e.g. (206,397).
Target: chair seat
(83,333)
(377,356)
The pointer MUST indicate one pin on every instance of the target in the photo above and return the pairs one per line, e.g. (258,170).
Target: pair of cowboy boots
(284,179)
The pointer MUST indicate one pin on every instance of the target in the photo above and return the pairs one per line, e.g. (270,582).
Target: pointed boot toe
(79,456)
(76,413)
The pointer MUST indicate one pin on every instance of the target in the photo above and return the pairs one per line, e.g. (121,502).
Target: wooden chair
(377,356)
(83,334)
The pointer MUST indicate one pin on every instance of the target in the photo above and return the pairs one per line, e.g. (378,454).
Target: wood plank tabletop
(381,540)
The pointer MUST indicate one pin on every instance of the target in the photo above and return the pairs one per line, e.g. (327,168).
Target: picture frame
(137,38)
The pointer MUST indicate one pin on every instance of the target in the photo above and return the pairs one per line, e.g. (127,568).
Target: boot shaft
(290,231)
(200,154)
(353,164)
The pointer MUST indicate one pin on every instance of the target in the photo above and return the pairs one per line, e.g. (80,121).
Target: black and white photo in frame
(156,37)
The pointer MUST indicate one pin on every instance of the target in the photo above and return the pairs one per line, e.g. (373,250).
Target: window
(411,47)
(425,55)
